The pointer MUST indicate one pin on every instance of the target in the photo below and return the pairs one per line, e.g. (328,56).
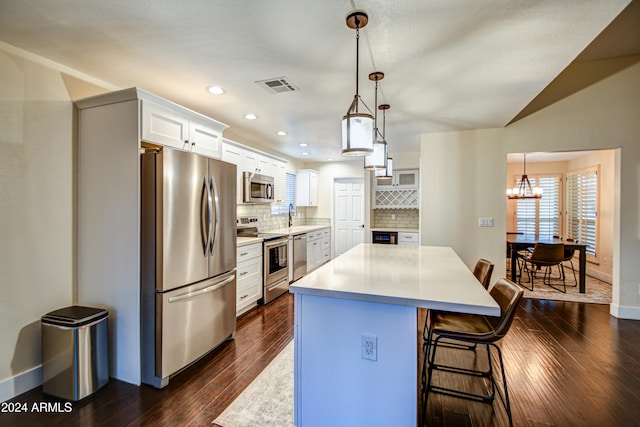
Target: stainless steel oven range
(276,266)
(276,258)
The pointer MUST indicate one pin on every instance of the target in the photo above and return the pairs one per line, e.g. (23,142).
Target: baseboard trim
(607,278)
(624,312)
(18,384)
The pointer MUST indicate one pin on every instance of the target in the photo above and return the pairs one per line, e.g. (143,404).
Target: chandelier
(357,128)
(520,191)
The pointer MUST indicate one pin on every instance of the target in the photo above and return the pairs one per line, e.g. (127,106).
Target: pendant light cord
(357,59)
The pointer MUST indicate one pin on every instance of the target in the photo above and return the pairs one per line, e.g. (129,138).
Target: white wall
(604,115)
(37,216)
(327,171)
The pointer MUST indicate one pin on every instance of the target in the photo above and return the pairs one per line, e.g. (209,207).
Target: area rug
(268,400)
(596,292)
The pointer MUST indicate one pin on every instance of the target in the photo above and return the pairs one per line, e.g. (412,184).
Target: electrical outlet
(393,217)
(369,347)
(485,222)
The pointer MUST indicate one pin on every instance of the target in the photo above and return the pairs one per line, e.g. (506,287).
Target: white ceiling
(449,65)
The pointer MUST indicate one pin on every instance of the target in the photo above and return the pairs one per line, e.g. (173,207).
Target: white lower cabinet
(318,248)
(249,277)
(408,238)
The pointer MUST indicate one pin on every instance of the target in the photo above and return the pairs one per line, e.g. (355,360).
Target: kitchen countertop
(399,230)
(298,229)
(243,241)
(419,276)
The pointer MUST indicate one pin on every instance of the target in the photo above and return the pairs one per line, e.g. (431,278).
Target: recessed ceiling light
(281,133)
(250,116)
(330,159)
(216,90)
(303,144)
(304,153)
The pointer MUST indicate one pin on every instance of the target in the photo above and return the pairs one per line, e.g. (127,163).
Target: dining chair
(472,330)
(544,256)
(568,257)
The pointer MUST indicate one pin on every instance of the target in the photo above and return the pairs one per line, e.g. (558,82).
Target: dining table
(518,242)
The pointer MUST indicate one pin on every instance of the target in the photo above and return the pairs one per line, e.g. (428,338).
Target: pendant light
(357,128)
(387,172)
(377,160)
(520,191)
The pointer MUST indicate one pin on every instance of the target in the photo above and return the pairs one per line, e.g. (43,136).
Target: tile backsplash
(405,218)
(267,222)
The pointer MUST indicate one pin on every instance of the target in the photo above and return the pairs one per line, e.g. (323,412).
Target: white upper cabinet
(307,187)
(165,123)
(234,154)
(402,179)
(164,127)
(205,139)
(400,192)
(250,160)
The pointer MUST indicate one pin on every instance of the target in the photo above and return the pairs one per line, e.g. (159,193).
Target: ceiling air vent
(277,85)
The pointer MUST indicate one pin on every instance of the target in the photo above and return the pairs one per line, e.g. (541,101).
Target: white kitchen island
(372,291)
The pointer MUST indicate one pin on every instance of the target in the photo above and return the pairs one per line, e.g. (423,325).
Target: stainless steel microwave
(257,188)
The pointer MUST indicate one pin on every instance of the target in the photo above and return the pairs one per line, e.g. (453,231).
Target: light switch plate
(485,222)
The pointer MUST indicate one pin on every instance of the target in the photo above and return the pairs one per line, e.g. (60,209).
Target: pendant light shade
(357,134)
(377,160)
(357,128)
(520,191)
(386,173)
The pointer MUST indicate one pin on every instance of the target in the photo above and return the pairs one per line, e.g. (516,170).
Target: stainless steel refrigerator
(188,259)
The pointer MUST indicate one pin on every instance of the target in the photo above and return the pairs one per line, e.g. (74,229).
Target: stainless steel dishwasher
(299,256)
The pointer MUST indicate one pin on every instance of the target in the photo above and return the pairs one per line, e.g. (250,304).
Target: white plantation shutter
(582,208)
(540,216)
(290,198)
(549,206)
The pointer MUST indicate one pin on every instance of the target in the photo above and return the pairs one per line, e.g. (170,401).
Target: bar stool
(482,271)
(472,329)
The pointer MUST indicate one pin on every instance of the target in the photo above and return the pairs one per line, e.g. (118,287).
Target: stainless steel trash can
(75,351)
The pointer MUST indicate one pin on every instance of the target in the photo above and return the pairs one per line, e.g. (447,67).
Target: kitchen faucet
(290,211)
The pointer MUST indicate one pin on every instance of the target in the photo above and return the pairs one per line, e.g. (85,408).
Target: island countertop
(419,276)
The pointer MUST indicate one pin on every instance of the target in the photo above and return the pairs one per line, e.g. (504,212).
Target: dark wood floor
(568,364)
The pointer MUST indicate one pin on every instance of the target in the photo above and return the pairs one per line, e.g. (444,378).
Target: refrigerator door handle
(205,227)
(206,290)
(214,204)
(207,214)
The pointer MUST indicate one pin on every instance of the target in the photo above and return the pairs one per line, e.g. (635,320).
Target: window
(540,216)
(582,208)
(290,198)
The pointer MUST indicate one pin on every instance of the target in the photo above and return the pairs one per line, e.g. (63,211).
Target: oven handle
(274,243)
(276,284)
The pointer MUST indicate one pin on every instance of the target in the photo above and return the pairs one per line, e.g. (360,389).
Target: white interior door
(348,213)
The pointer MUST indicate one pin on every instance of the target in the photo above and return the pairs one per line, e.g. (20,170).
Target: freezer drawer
(195,319)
